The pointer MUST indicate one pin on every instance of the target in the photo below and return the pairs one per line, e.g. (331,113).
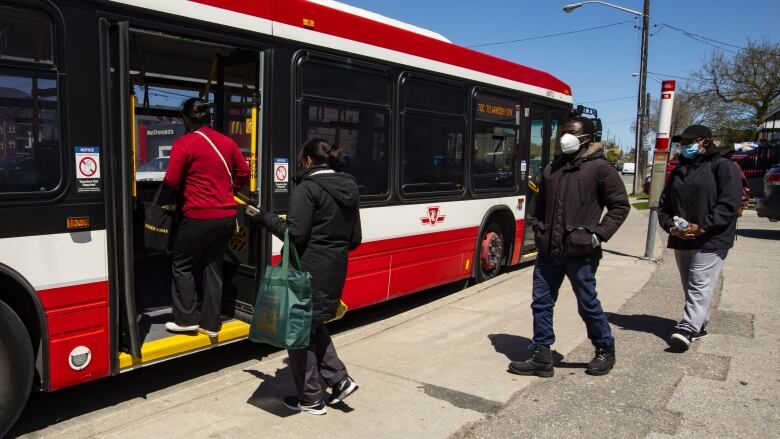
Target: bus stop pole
(660,159)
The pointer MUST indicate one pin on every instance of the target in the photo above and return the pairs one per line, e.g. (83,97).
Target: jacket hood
(341,186)
(593,152)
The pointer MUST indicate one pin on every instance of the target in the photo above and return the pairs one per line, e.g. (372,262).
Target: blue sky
(597,64)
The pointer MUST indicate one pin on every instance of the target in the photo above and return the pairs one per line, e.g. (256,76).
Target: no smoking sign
(281,175)
(87,160)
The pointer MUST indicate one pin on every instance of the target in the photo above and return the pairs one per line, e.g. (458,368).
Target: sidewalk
(727,385)
(423,373)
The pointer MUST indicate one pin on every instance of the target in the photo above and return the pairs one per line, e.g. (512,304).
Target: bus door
(544,126)
(116,99)
(151,74)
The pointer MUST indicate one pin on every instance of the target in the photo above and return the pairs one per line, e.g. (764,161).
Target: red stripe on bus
(77,315)
(388,268)
(518,247)
(356,28)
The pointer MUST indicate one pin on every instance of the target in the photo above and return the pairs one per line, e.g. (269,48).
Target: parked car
(628,168)
(153,170)
(769,205)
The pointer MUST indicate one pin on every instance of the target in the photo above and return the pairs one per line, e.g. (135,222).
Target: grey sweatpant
(699,273)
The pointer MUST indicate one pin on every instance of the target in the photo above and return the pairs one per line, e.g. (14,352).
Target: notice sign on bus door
(87,169)
(281,177)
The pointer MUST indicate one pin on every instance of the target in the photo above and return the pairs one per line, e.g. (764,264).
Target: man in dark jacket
(569,230)
(705,190)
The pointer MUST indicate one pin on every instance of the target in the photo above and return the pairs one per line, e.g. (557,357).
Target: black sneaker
(699,335)
(342,389)
(681,340)
(292,403)
(539,364)
(602,361)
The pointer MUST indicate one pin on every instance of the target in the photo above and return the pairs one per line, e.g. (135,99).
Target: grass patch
(642,205)
(640,196)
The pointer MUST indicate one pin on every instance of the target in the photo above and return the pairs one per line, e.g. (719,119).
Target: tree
(749,81)
(611,150)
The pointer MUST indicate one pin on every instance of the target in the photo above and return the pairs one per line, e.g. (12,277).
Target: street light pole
(639,171)
(641,103)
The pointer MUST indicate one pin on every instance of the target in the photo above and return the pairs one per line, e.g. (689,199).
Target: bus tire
(490,252)
(16,367)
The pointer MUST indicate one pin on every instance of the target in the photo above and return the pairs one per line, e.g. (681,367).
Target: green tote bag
(283,309)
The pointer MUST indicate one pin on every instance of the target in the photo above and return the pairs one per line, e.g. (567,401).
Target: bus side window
(30,159)
(433,155)
(347,103)
(433,131)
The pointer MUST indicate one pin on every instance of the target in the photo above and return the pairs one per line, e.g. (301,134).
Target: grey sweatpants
(699,273)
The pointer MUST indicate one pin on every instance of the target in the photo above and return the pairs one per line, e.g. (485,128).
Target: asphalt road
(628,179)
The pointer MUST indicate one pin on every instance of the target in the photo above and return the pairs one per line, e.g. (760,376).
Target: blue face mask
(690,151)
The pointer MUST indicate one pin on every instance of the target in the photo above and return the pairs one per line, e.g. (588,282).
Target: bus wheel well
(18,298)
(501,218)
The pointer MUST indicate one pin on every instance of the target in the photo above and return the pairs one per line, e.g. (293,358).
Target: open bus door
(116,127)
(150,75)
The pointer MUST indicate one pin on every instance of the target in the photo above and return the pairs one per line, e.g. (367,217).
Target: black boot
(539,364)
(602,362)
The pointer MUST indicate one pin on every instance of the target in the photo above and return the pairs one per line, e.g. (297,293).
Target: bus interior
(161,72)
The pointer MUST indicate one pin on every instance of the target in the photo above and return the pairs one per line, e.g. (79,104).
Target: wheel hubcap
(492,249)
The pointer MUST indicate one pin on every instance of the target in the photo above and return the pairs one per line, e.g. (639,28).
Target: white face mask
(571,143)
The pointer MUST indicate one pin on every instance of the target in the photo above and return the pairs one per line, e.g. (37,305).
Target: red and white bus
(445,143)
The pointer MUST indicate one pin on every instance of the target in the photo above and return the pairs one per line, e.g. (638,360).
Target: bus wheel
(16,367)
(491,252)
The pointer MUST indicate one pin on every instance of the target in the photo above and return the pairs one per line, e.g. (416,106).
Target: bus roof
(331,24)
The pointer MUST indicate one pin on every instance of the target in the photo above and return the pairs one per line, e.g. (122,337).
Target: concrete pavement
(423,373)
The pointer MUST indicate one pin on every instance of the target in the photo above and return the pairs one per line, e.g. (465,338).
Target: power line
(712,42)
(608,100)
(552,35)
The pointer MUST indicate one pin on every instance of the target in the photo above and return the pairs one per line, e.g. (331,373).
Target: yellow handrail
(133,139)
(253,153)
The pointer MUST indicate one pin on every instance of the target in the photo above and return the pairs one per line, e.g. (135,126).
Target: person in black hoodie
(323,220)
(569,230)
(704,190)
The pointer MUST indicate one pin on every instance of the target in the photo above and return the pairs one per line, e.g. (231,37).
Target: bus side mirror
(597,126)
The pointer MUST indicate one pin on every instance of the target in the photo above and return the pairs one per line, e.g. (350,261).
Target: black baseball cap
(693,132)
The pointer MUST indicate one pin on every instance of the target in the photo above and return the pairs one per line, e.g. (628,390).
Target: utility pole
(639,172)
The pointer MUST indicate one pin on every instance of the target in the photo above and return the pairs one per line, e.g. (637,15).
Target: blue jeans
(548,277)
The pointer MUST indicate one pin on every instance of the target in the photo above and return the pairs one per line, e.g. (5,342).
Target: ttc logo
(433,216)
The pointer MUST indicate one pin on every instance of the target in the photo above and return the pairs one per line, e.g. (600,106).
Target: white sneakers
(174,327)
(211,334)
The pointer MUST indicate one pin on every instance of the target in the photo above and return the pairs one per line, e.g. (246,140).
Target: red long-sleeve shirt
(196,170)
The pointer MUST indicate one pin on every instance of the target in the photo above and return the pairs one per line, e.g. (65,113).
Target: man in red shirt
(206,168)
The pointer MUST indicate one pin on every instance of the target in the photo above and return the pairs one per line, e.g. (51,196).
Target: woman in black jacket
(323,222)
